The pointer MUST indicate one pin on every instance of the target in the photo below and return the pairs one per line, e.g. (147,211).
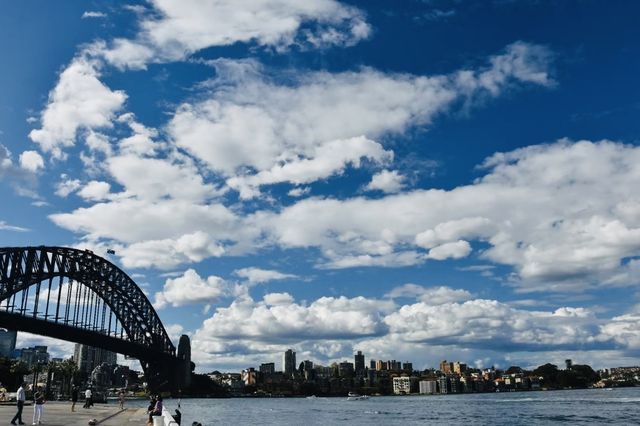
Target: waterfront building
(268,368)
(249,376)
(7,342)
(455,385)
(402,385)
(534,383)
(232,381)
(87,358)
(480,385)
(428,387)
(466,384)
(489,373)
(345,369)
(289,363)
(444,385)
(359,363)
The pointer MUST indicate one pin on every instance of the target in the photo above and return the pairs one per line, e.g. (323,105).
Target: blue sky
(418,180)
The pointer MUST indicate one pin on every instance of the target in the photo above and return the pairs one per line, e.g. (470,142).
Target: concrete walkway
(59,414)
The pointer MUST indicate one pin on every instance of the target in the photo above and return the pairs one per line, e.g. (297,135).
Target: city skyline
(411,180)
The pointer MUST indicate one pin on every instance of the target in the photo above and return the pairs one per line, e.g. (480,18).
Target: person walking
(87,396)
(74,397)
(20,398)
(38,406)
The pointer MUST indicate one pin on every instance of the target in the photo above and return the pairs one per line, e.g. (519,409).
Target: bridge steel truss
(77,296)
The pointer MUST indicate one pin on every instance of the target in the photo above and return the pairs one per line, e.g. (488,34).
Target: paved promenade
(59,414)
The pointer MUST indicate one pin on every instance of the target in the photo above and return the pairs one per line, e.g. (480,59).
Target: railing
(168,418)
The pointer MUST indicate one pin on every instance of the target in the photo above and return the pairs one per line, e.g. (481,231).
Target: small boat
(352,396)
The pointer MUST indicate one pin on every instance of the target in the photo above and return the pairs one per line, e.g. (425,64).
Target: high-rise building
(268,368)
(34,355)
(394,365)
(381,365)
(459,367)
(289,363)
(446,367)
(345,369)
(455,385)
(307,365)
(372,364)
(407,366)
(88,357)
(359,363)
(7,342)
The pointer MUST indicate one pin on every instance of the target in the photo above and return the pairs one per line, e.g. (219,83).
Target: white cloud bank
(447,321)
(563,215)
(258,132)
(173,31)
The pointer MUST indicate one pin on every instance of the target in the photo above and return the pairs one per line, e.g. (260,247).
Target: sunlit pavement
(60,414)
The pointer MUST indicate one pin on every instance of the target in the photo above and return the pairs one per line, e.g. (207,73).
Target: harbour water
(620,406)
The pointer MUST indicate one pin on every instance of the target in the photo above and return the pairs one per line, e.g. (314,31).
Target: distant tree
(203,385)
(514,369)
(580,376)
(18,370)
(6,378)
(549,373)
(65,371)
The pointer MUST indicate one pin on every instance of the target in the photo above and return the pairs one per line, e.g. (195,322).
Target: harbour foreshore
(60,414)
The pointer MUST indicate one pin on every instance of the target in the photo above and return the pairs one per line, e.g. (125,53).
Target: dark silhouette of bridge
(77,296)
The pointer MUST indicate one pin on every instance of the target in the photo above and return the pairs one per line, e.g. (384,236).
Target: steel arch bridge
(77,296)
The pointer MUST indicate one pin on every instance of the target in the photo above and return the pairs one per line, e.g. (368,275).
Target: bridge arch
(81,289)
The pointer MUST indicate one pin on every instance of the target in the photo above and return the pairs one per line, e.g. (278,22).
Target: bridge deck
(59,414)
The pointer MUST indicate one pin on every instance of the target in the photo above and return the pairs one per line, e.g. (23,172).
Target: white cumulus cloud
(31,161)
(190,288)
(389,181)
(79,101)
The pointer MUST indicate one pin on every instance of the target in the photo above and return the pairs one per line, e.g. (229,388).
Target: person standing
(121,396)
(87,396)
(38,406)
(20,398)
(74,397)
